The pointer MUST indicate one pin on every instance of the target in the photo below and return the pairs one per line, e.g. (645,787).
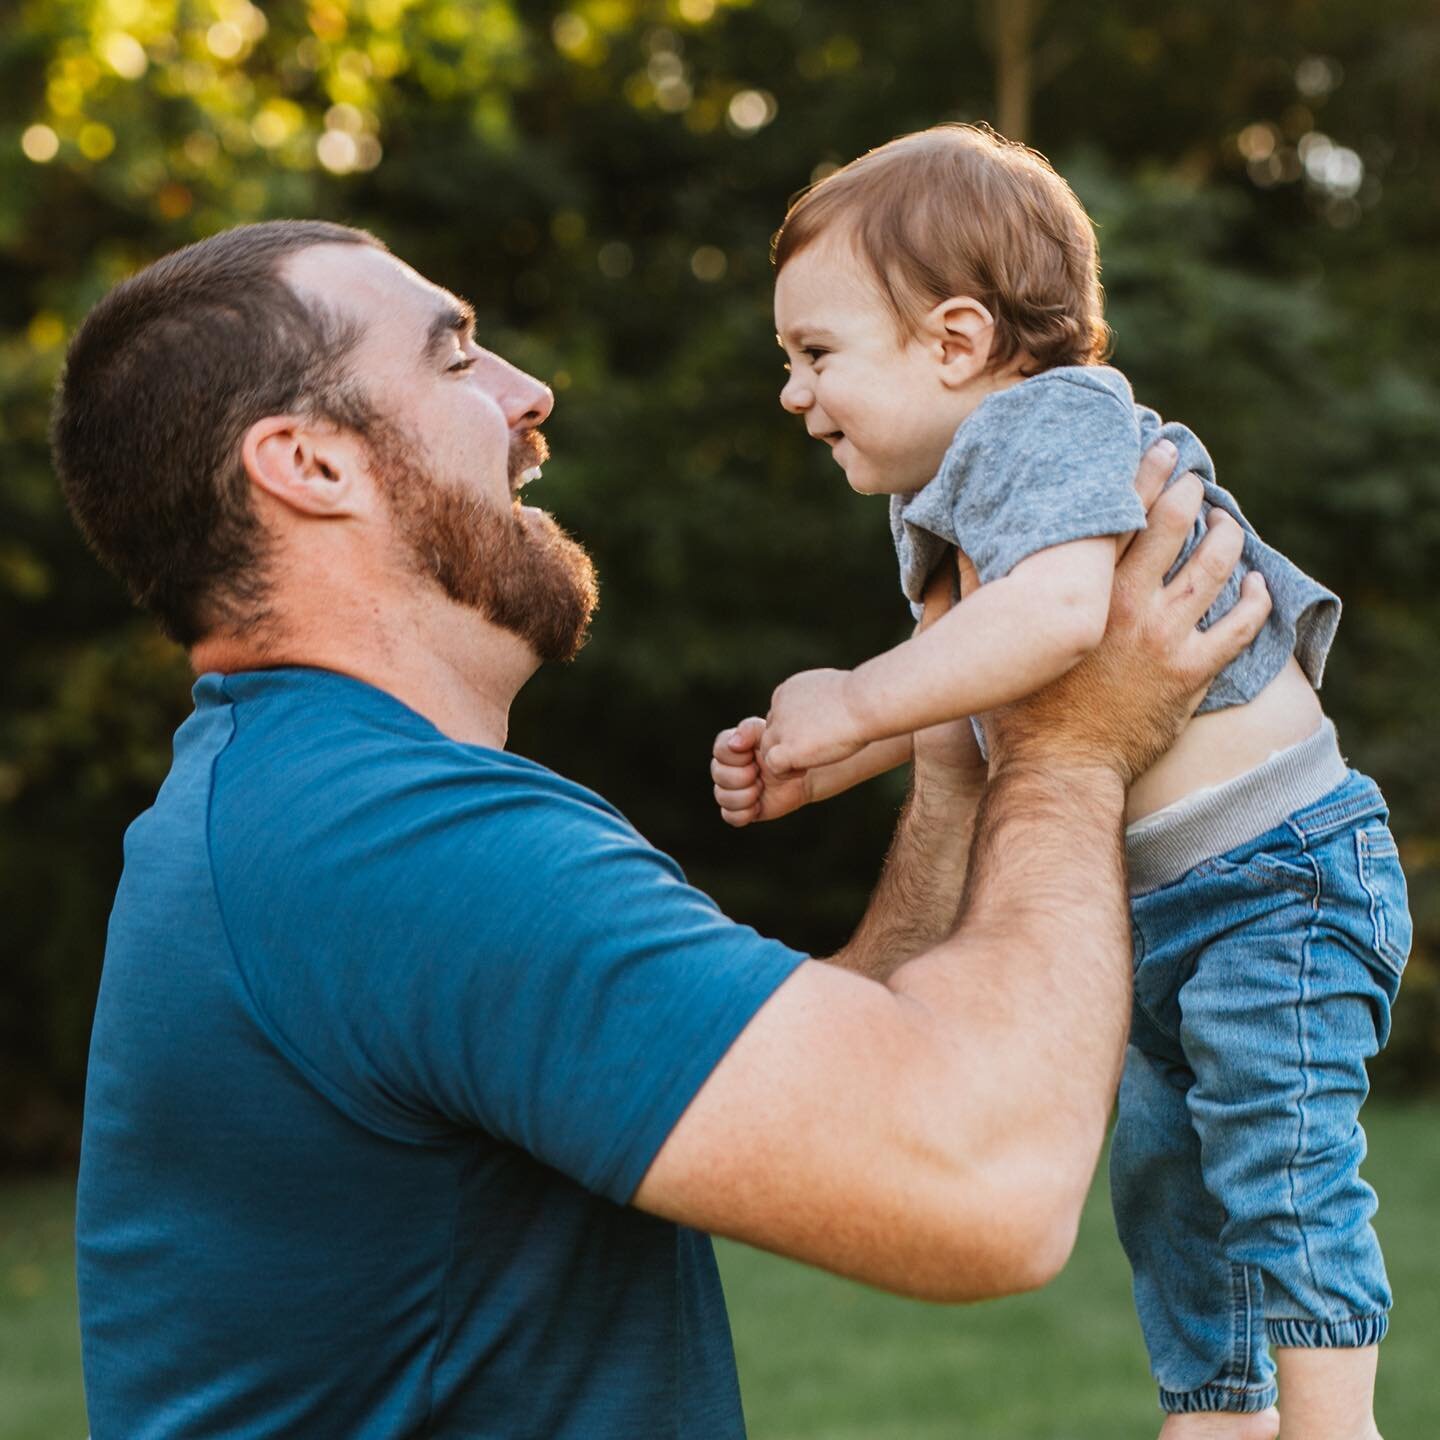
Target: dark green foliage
(531,163)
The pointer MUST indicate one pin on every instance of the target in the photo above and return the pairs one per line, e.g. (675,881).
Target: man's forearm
(1035,984)
(915,901)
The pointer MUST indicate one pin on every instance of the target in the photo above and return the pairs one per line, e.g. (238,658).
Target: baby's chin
(866,479)
(863,483)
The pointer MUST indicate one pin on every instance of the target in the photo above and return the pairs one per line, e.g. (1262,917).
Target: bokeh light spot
(709,263)
(95,140)
(1317,75)
(40,144)
(750,111)
(568,228)
(45,331)
(337,152)
(124,54)
(224,40)
(174,201)
(1258,141)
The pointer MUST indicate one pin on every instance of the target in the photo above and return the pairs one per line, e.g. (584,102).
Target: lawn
(821,1359)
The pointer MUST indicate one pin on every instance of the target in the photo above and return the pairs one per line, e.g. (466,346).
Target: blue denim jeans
(1263,982)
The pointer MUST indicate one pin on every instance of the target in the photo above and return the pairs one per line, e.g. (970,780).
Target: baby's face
(877,401)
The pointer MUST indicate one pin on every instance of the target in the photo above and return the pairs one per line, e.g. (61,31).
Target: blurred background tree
(601,179)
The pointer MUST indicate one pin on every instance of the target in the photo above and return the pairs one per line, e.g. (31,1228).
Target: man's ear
(962,331)
(306,467)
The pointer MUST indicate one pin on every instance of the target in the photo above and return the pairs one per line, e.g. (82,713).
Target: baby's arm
(1005,641)
(745,794)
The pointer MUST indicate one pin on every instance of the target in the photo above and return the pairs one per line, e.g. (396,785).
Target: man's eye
(463,363)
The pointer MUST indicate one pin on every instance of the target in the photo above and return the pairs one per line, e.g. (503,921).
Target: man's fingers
(1200,580)
(1156,466)
(1216,647)
(1168,526)
(938,592)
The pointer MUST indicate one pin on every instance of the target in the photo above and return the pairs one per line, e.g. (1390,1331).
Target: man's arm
(936,1133)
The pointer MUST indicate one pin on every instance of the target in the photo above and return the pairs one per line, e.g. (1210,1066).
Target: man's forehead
(375,286)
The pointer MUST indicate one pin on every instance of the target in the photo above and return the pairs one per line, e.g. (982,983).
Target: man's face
(876,400)
(458,437)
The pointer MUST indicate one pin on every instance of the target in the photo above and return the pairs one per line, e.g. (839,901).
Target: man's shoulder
(324,749)
(329,797)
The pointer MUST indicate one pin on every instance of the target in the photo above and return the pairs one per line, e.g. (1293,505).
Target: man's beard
(520,570)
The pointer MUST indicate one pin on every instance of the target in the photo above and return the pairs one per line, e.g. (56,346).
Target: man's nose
(797,396)
(538,400)
(527,401)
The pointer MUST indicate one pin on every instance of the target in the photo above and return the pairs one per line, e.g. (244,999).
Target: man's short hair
(958,210)
(161,381)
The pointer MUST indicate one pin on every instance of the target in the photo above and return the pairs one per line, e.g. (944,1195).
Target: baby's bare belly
(1225,743)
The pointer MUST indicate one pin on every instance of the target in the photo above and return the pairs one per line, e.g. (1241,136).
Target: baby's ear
(962,330)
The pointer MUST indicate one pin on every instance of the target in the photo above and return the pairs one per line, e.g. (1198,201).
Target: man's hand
(812,722)
(743,791)
(1124,705)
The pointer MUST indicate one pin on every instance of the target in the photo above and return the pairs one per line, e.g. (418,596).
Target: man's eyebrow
(455,318)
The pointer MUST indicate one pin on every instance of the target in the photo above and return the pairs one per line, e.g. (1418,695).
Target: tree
(601,179)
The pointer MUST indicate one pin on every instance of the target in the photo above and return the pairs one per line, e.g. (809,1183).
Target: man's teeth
(533,473)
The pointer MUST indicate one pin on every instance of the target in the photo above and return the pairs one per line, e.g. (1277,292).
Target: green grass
(821,1359)
(40,1391)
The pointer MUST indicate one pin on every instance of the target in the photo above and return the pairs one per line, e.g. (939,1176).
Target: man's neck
(446,663)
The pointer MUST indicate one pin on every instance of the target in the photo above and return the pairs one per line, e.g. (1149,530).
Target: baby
(939,303)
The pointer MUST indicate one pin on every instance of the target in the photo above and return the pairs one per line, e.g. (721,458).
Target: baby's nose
(796,396)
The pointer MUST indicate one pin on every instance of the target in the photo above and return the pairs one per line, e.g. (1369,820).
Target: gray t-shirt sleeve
(1050,461)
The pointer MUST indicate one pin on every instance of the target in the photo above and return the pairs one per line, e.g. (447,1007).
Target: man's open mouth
(528,452)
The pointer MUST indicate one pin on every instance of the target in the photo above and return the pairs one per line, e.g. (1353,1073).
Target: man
(417,1074)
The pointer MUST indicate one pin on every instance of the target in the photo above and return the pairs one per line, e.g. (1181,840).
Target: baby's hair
(960,210)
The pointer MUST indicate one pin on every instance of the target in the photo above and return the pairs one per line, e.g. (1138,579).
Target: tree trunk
(1014,25)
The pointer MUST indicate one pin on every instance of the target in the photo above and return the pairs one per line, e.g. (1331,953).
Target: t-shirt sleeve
(1050,461)
(519,959)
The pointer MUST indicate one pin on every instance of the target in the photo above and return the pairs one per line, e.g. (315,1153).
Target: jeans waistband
(1162,847)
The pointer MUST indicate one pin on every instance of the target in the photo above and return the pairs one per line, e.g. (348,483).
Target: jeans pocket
(1384,884)
(1268,871)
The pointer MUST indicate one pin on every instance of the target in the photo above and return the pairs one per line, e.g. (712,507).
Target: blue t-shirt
(389,1030)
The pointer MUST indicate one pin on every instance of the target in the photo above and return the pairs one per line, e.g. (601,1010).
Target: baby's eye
(813,353)
(463,363)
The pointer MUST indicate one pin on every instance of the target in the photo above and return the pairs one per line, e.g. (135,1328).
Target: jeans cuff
(1353,1334)
(1217,1397)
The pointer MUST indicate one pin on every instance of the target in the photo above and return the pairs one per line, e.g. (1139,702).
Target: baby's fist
(742,791)
(811,722)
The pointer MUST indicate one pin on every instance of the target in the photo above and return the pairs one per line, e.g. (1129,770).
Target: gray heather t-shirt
(1053,459)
